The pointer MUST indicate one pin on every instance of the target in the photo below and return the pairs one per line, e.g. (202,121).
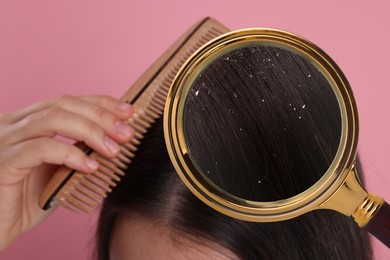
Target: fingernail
(123,106)
(91,163)
(123,128)
(111,145)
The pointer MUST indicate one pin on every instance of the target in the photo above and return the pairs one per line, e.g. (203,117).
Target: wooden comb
(77,191)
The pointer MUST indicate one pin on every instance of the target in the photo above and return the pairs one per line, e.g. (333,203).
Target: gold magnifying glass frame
(338,189)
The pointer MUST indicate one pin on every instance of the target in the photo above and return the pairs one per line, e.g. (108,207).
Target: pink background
(49,48)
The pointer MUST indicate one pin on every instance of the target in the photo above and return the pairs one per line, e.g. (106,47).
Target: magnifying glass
(262,126)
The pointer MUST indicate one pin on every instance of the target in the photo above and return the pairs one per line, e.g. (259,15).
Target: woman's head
(151,212)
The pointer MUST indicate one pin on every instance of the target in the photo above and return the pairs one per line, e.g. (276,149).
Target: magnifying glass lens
(262,123)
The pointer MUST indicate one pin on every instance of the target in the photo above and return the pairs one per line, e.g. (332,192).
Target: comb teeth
(86,192)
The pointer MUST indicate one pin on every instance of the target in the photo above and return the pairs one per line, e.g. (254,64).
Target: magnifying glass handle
(368,210)
(379,225)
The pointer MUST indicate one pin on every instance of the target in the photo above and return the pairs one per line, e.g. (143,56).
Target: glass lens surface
(262,123)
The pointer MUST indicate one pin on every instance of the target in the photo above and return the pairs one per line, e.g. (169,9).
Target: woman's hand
(29,153)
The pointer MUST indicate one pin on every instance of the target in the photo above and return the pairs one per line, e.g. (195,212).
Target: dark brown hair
(267,114)
(153,190)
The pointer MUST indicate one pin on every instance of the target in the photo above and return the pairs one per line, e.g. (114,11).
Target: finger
(119,108)
(35,152)
(18,115)
(55,121)
(93,106)
(104,112)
